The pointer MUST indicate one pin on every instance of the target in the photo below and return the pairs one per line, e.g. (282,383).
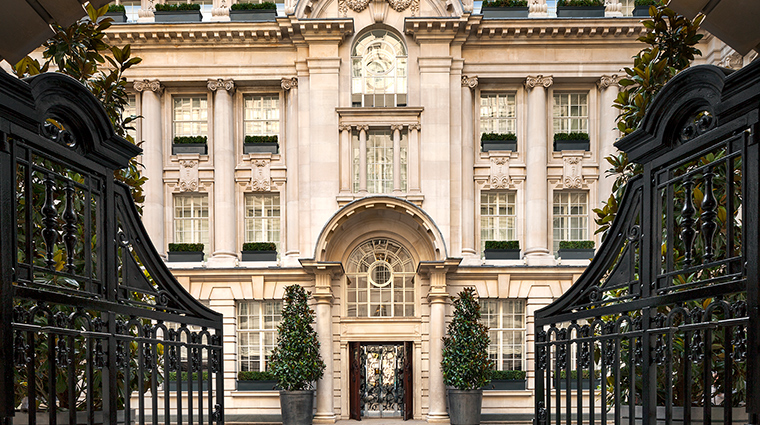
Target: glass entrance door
(382,380)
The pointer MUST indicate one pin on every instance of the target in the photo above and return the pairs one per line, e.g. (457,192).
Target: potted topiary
(260,144)
(571,142)
(190,144)
(576,250)
(265,11)
(465,364)
(295,361)
(502,250)
(498,142)
(251,380)
(178,12)
(185,252)
(117,12)
(507,380)
(641,7)
(259,251)
(580,9)
(504,8)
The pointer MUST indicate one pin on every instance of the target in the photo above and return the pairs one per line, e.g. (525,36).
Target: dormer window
(379,70)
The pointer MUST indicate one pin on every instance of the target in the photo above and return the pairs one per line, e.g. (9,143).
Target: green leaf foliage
(498,136)
(502,244)
(295,361)
(115,8)
(571,136)
(254,375)
(576,244)
(647,3)
(259,246)
(185,140)
(173,7)
(508,375)
(505,3)
(465,362)
(185,247)
(260,139)
(253,6)
(577,3)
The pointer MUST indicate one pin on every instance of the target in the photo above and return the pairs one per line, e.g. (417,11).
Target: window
(378,70)
(191,224)
(498,217)
(262,218)
(190,116)
(380,282)
(570,217)
(506,322)
(570,113)
(379,155)
(262,115)
(497,113)
(256,333)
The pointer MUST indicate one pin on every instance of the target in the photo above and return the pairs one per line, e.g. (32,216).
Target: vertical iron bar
(31,389)
(106,249)
(154,379)
(90,379)
(687,372)
(707,375)
(128,371)
(52,404)
(140,372)
(71,367)
(603,374)
(750,244)
(728,384)
(669,379)
(8,249)
(579,379)
(616,377)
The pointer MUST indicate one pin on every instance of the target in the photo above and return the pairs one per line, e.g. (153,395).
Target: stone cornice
(324,30)
(196,34)
(540,29)
(431,29)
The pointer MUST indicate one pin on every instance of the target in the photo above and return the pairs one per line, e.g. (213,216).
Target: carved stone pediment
(499,178)
(572,171)
(188,175)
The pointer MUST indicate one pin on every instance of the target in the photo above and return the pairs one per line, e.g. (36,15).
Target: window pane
(570,221)
(258,337)
(190,116)
(498,217)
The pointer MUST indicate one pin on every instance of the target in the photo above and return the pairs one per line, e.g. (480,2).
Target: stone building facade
(378,195)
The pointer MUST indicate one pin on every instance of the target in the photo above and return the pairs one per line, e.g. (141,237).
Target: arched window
(380,280)
(378,70)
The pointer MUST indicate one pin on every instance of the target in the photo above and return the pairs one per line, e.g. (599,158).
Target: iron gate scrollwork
(663,326)
(94,329)
(382,378)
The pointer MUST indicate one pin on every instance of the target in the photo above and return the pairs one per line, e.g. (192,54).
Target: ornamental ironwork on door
(382,380)
(94,329)
(663,326)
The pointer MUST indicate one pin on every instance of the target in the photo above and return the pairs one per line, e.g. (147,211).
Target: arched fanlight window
(378,70)
(380,280)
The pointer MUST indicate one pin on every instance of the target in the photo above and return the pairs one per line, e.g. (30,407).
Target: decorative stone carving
(364,127)
(415,126)
(215,85)
(572,172)
(607,81)
(261,175)
(398,127)
(152,85)
(732,60)
(470,82)
(147,12)
(537,7)
(400,5)
(356,5)
(188,175)
(499,178)
(344,127)
(289,83)
(360,5)
(613,8)
(537,81)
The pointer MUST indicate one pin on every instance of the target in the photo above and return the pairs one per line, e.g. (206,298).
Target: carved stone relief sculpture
(499,178)
(572,172)
(188,175)
(261,175)
(360,5)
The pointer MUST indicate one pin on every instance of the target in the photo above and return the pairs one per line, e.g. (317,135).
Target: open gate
(94,329)
(663,326)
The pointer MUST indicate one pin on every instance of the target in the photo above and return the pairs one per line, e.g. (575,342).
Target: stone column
(468,177)
(346,166)
(153,161)
(292,230)
(225,217)
(536,192)
(363,158)
(396,129)
(608,133)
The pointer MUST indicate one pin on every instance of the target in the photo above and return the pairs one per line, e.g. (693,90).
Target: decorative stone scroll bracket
(289,83)
(469,82)
(606,81)
(261,175)
(149,85)
(539,81)
(221,84)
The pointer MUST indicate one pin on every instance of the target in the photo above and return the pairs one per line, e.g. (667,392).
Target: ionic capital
(364,127)
(289,83)
(469,82)
(539,81)
(344,127)
(398,127)
(151,85)
(415,126)
(607,81)
(218,84)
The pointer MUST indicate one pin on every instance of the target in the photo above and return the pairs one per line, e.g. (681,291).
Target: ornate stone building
(379,195)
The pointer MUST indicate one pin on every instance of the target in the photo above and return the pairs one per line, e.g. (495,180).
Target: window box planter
(571,142)
(245,385)
(259,251)
(121,16)
(504,12)
(185,252)
(253,15)
(641,11)
(178,16)
(498,142)
(576,253)
(580,11)
(506,385)
(190,144)
(502,254)
(265,147)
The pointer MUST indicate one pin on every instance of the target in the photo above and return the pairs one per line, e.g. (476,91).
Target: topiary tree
(465,363)
(295,362)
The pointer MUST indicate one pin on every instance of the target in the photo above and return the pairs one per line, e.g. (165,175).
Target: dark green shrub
(505,3)
(253,6)
(465,362)
(259,246)
(576,244)
(295,361)
(185,247)
(181,140)
(112,8)
(507,375)
(576,3)
(502,244)
(571,136)
(253,375)
(172,376)
(647,3)
(260,139)
(177,7)
(498,136)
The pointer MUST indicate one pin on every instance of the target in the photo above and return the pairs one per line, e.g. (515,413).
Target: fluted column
(153,161)
(608,133)
(291,227)
(536,192)
(396,129)
(363,158)
(225,234)
(468,162)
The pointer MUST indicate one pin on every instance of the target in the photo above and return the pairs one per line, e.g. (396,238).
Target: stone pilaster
(396,129)
(345,158)
(537,189)
(608,133)
(414,159)
(225,234)
(153,161)
(469,253)
(363,129)
(292,251)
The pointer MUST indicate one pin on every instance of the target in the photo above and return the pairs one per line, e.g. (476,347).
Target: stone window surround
(258,331)
(521,123)
(588,216)
(516,230)
(555,158)
(168,112)
(239,124)
(501,304)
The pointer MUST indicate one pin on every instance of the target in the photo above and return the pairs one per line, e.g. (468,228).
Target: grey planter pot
(185,256)
(118,17)
(641,11)
(199,148)
(465,406)
(502,254)
(178,16)
(504,12)
(498,145)
(267,147)
(258,255)
(506,385)
(297,407)
(256,15)
(571,145)
(256,385)
(185,387)
(576,254)
(580,11)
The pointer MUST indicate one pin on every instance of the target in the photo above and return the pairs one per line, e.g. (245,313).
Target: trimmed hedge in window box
(249,380)
(576,250)
(571,142)
(580,9)
(190,144)
(505,9)
(641,7)
(261,144)
(117,13)
(182,12)
(502,250)
(498,142)
(259,251)
(509,380)
(253,11)
(185,252)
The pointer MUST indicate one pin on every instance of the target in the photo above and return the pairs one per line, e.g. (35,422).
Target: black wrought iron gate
(94,327)
(663,326)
